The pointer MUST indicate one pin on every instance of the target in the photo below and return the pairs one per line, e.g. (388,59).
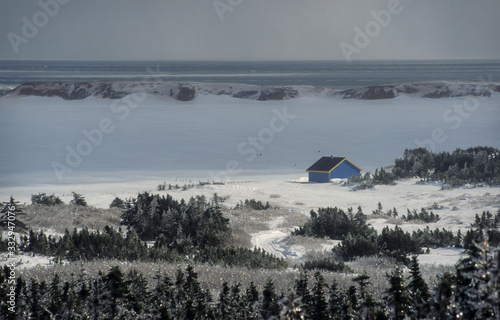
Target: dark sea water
(332,74)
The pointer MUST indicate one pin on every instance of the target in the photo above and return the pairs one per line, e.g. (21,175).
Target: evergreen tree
(238,304)
(163,298)
(10,216)
(444,300)
(474,281)
(252,295)
(117,203)
(353,303)
(319,305)
(270,308)
(116,288)
(494,285)
(302,291)
(36,304)
(396,296)
(46,200)
(418,290)
(251,300)
(22,300)
(201,298)
(337,303)
(180,296)
(78,200)
(367,306)
(138,297)
(459,240)
(291,307)
(56,302)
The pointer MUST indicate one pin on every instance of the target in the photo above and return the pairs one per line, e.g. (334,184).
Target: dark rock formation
(183,92)
(277,94)
(370,93)
(245,94)
(188,92)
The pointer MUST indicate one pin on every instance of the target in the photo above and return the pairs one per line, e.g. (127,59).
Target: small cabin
(328,168)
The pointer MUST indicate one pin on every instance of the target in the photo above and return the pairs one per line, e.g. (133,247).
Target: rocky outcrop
(183,92)
(245,94)
(188,92)
(370,93)
(277,94)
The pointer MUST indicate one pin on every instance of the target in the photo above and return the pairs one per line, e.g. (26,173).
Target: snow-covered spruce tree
(7,310)
(353,302)
(269,309)
(73,305)
(11,216)
(337,302)
(45,200)
(37,309)
(396,298)
(78,200)
(444,300)
(418,290)
(319,305)
(201,298)
(163,298)
(238,303)
(475,288)
(22,300)
(55,293)
(224,303)
(138,298)
(252,301)
(180,306)
(291,307)
(303,292)
(494,286)
(116,288)
(368,308)
(117,203)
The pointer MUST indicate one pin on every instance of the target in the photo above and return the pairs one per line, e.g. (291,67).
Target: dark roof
(326,163)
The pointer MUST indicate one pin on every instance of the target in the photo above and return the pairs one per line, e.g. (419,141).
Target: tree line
(114,244)
(468,292)
(476,165)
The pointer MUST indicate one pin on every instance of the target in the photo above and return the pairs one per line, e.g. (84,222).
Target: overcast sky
(248,29)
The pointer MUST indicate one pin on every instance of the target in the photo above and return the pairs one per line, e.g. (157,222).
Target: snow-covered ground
(106,148)
(25,261)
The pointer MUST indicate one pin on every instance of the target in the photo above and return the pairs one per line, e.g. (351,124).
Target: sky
(249,29)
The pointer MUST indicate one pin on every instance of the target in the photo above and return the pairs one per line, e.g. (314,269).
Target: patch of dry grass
(64,216)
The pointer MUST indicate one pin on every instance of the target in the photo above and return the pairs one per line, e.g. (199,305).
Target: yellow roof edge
(343,161)
(353,164)
(336,167)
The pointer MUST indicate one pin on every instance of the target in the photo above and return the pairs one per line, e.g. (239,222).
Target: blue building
(328,168)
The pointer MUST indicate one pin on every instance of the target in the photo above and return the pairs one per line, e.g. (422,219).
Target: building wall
(344,170)
(318,177)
